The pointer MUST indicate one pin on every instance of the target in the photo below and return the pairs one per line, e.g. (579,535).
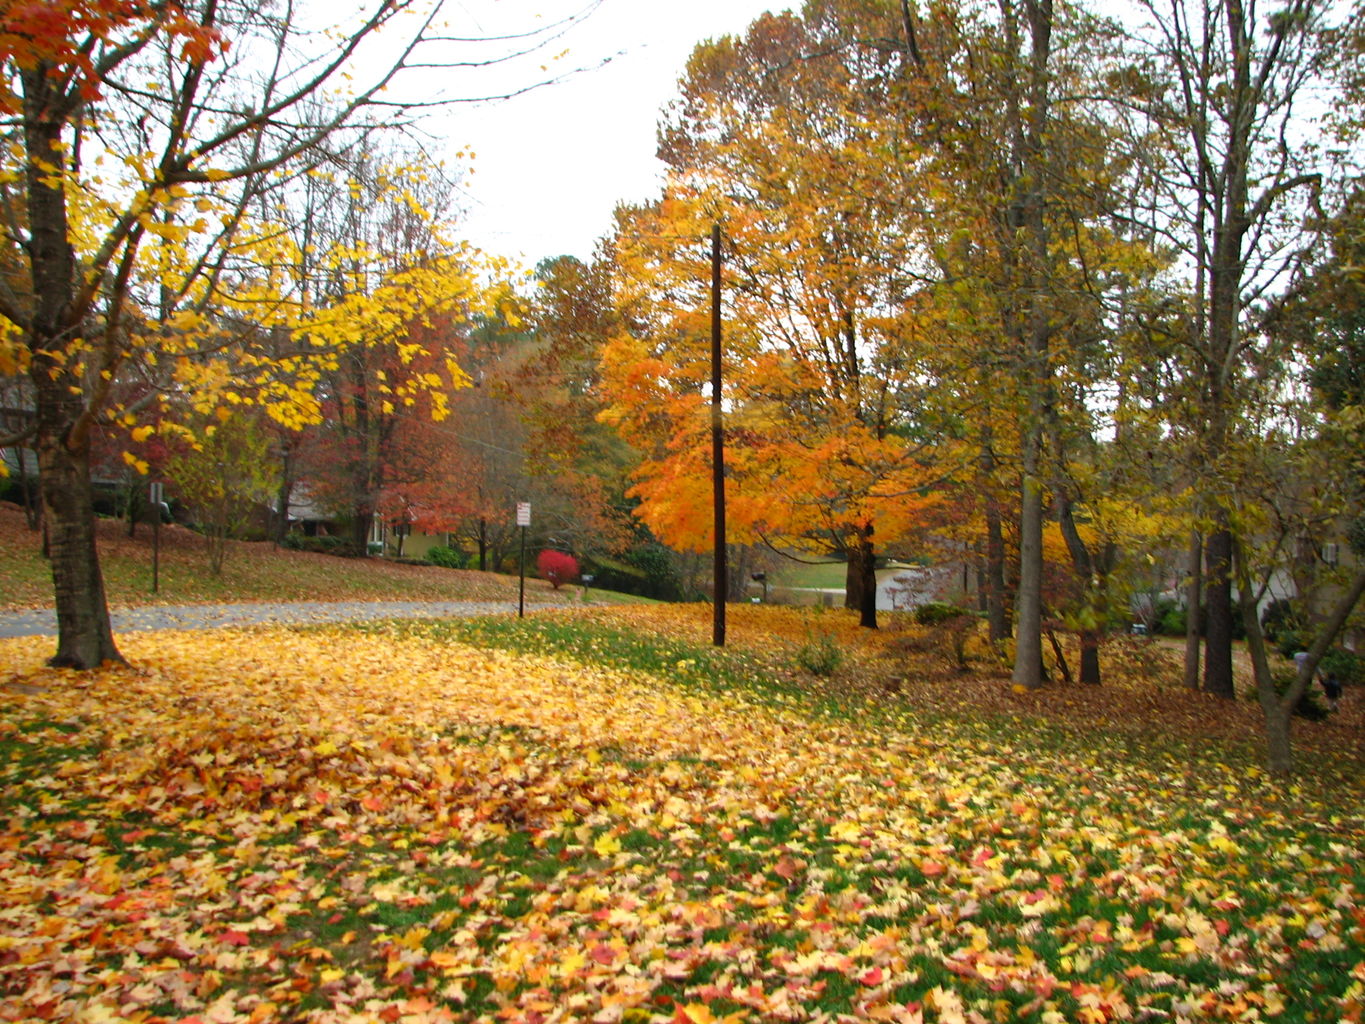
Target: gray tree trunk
(84,637)
(1194,598)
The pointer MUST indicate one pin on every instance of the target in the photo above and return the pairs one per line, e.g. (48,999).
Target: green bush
(1171,619)
(819,656)
(661,579)
(1310,705)
(327,545)
(447,558)
(610,574)
(935,612)
(1279,616)
(1289,642)
(1347,666)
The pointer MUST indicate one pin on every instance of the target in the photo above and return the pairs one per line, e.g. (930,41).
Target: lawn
(251,572)
(595,816)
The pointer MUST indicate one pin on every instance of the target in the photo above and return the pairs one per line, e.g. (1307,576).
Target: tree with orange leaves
(826,353)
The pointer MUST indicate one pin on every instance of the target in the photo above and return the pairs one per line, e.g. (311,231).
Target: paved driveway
(128,620)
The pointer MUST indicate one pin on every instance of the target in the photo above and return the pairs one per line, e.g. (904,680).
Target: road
(43,622)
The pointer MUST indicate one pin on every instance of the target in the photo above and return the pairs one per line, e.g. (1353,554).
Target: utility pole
(721,573)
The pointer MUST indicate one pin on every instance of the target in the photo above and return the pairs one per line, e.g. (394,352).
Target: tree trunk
(1194,598)
(483,544)
(1060,655)
(997,592)
(84,637)
(285,495)
(362,520)
(1218,677)
(1029,117)
(1028,645)
(1092,590)
(860,583)
(32,502)
(134,505)
(1279,708)
(738,563)
(1090,657)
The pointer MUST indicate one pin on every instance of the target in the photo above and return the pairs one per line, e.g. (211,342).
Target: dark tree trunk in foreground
(1219,610)
(1086,571)
(1194,597)
(85,639)
(860,584)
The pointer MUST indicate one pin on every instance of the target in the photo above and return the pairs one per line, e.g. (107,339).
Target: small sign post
(155,493)
(523,521)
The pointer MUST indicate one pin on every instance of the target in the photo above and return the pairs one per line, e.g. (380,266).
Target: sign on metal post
(523,520)
(156,494)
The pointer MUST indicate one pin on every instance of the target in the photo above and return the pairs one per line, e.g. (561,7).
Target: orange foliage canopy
(826,345)
(65,36)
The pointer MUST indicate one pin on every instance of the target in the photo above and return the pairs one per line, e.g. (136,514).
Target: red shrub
(557,567)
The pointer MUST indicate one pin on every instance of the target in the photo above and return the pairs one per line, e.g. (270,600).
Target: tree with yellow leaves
(144,180)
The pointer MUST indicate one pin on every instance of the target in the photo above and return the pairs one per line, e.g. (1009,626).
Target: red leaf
(786,868)
(871,976)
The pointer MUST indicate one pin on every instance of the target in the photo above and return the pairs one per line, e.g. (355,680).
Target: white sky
(551,165)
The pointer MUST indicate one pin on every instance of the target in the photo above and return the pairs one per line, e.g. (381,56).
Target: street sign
(523,520)
(156,493)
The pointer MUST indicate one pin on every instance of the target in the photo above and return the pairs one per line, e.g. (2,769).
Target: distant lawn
(799,574)
(251,572)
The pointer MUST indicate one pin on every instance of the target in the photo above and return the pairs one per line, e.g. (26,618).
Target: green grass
(830,575)
(767,678)
(1185,885)
(252,571)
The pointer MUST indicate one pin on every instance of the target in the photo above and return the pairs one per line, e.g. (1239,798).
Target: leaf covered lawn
(393,825)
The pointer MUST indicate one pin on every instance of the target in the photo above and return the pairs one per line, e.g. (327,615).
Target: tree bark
(1031,324)
(996,591)
(362,520)
(1084,565)
(1028,650)
(1194,599)
(1218,678)
(1060,655)
(739,563)
(860,583)
(285,494)
(84,637)
(33,515)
